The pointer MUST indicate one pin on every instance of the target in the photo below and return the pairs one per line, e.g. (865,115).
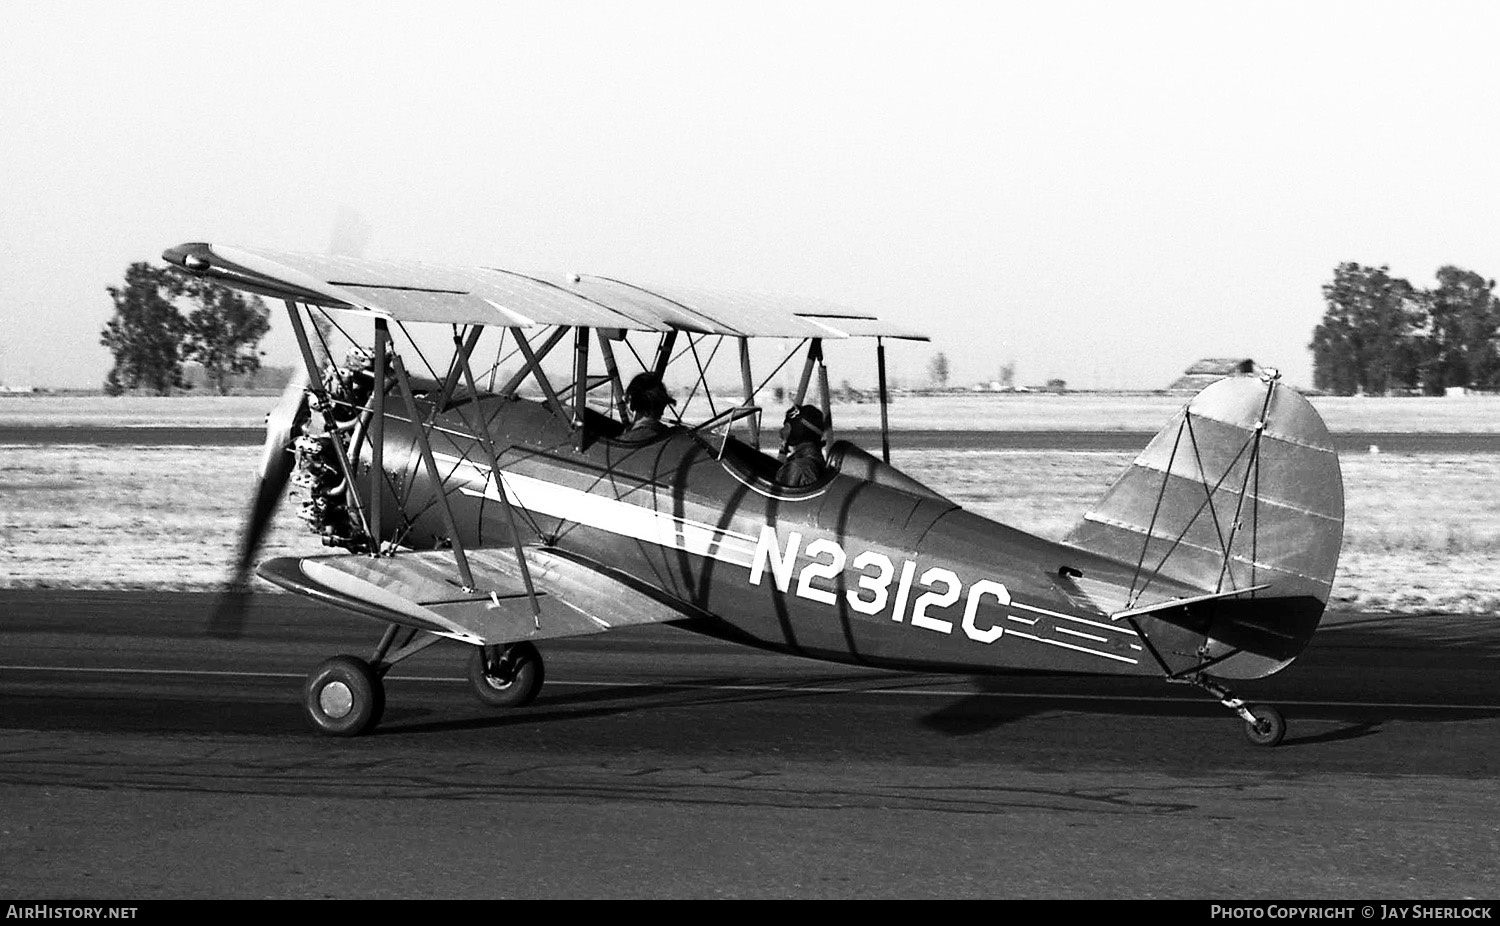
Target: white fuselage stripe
(616,516)
(1081,649)
(1077,620)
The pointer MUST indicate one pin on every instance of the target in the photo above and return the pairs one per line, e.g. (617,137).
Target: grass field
(1422,531)
(981,412)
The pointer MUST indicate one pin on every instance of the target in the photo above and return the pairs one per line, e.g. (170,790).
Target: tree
(937,370)
(1463,318)
(224,331)
(150,338)
(146,332)
(1367,341)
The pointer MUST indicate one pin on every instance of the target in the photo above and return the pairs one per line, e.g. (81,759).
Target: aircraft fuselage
(850,570)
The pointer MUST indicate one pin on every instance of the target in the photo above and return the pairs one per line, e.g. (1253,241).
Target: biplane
(521,511)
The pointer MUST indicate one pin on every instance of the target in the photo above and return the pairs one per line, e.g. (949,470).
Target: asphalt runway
(140,758)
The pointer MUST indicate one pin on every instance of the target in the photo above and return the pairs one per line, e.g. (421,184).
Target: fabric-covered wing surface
(412,291)
(421,590)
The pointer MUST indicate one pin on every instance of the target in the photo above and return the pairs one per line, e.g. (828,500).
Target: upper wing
(418,590)
(411,291)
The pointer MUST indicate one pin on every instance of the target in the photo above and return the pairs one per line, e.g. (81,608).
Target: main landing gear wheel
(343,697)
(1267,728)
(506,676)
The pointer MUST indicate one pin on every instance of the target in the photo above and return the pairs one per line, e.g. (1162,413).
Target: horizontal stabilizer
(1183,602)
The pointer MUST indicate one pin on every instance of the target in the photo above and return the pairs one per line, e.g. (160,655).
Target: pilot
(802,442)
(647,400)
(349,386)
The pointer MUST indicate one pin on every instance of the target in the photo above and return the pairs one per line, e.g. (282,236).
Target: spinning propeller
(350,235)
(276,464)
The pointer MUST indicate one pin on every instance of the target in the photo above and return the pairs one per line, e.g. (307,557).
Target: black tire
(512,678)
(1269,726)
(343,697)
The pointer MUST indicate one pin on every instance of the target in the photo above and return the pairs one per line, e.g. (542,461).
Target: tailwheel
(506,676)
(343,697)
(1266,726)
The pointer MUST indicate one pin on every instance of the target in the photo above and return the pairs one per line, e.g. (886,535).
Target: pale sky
(1102,192)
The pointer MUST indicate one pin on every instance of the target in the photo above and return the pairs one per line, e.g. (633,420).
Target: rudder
(1242,488)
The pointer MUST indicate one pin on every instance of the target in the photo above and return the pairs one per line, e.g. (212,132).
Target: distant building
(1209,369)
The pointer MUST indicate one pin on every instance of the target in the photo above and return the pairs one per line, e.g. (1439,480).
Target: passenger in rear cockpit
(647,400)
(802,443)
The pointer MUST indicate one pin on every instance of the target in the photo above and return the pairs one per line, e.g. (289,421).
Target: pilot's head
(359,360)
(646,396)
(804,424)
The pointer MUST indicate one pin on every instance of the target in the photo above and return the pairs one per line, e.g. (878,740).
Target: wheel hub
(500,671)
(336,700)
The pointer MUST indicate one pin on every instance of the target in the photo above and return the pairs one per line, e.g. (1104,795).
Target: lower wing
(573,597)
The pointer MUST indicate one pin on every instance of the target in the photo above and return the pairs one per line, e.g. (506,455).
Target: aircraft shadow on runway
(270,707)
(597,702)
(997,703)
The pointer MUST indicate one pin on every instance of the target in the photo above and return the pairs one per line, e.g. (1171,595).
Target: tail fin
(1241,489)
